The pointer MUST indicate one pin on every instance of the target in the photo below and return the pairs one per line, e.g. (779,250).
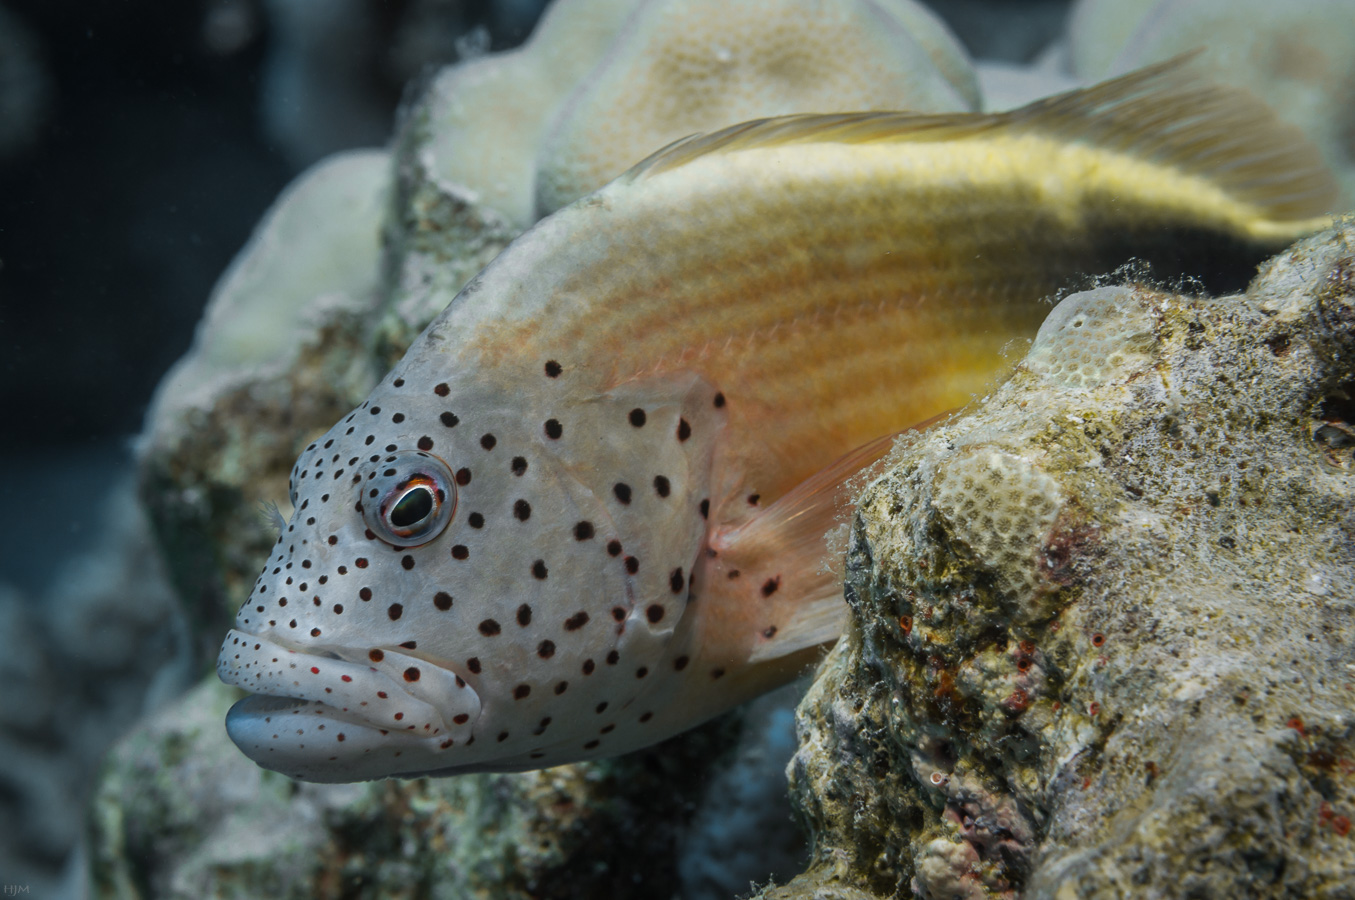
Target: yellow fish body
(587,509)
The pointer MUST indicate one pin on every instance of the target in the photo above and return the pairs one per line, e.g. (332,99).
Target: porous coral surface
(1103,642)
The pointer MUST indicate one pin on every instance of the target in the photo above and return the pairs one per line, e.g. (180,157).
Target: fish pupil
(412,508)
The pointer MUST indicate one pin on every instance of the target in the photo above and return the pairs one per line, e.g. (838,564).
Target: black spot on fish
(488,441)
(442,600)
(489,628)
(524,615)
(522,510)
(449,419)
(553,369)
(554,429)
(637,417)
(684,430)
(519,465)
(622,492)
(583,531)
(442,390)
(576,621)
(395,611)
(661,486)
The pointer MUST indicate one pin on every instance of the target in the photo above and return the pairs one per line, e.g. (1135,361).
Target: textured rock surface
(1105,640)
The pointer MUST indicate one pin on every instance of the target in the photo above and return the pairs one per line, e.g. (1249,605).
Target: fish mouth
(400,695)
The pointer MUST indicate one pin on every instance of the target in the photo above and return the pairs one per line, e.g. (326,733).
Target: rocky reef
(1103,641)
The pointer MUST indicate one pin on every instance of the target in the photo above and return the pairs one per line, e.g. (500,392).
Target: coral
(564,118)
(696,65)
(505,100)
(1295,56)
(1103,639)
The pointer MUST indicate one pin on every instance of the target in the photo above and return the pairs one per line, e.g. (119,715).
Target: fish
(586,511)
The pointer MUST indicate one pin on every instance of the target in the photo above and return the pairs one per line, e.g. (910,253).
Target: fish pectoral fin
(783,554)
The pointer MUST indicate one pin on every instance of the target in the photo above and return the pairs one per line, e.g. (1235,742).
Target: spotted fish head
(475,579)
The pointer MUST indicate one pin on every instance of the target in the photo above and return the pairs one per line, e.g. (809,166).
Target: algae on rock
(1104,639)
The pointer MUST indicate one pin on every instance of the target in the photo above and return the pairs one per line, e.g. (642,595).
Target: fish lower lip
(437,703)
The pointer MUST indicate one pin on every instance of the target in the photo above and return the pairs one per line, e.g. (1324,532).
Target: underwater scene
(682,449)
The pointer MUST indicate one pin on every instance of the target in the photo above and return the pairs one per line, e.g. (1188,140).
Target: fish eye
(408,500)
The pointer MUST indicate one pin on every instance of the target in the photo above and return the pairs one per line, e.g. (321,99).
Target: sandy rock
(1105,640)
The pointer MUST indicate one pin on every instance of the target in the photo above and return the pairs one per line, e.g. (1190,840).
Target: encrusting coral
(1104,642)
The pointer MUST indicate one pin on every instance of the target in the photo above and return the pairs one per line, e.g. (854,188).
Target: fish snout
(399,695)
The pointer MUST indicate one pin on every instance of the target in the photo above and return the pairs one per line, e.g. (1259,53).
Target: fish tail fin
(789,597)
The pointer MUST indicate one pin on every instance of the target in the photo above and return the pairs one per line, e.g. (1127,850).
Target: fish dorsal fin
(1168,113)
